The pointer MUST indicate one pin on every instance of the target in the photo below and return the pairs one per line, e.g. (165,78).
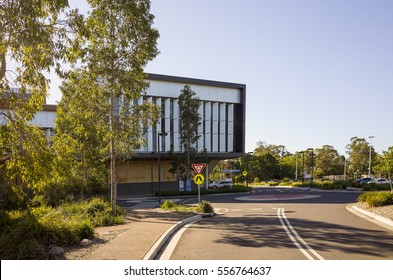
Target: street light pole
(159,164)
(302,152)
(296,168)
(369,158)
(312,166)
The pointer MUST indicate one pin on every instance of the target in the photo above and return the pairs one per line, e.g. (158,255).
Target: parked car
(379,181)
(221,184)
(363,180)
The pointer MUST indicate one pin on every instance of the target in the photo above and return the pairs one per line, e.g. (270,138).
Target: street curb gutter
(372,215)
(152,253)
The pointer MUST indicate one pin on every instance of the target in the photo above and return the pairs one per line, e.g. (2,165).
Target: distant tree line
(269,162)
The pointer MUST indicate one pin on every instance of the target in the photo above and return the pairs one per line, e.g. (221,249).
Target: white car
(379,181)
(221,184)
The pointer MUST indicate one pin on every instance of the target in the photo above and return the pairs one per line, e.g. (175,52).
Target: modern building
(222,131)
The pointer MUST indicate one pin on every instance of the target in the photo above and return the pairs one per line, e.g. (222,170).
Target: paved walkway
(139,235)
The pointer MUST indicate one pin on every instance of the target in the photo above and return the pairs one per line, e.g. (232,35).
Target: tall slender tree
(117,41)
(189,105)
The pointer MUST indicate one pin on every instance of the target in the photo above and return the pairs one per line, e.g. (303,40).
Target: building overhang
(167,156)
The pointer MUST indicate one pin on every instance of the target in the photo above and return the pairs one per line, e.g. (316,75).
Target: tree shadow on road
(265,230)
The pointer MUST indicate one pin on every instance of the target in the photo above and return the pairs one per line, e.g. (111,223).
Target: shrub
(27,234)
(376,199)
(375,187)
(256,180)
(272,183)
(58,191)
(97,211)
(296,184)
(205,207)
(168,205)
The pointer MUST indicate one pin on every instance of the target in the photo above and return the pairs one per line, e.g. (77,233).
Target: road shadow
(265,230)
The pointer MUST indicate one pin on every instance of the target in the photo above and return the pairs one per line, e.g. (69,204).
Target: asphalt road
(318,227)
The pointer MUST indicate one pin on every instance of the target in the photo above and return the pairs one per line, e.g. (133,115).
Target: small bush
(376,199)
(205,207)
(168,205)
(375,187)
(272,183)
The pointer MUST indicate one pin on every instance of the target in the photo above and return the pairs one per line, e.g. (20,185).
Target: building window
(211,127)
(204,125)
(171,124)
(226,126)
(163,130)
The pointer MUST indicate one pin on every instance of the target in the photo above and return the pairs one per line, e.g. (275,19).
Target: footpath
(145,236)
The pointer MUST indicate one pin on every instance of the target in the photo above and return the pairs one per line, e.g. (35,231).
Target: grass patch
(203,207)
(376,199)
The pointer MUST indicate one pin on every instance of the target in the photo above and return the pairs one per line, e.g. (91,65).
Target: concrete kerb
(152,253)
(372,215)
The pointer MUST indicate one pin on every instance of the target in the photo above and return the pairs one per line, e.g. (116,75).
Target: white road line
(236,210)
(221,211)
(256,209)
(166,255)
(288,229)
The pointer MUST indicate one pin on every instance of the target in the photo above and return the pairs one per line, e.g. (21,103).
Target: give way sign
(198,167)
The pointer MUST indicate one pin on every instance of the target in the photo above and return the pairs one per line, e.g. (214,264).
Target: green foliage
(384,165)
(375,187)
(205,207)
(171,206)
(168,204)
(27,234)
(358,151)
(57,191)
(376,199)
(115,44)
(189,105)
(34,37)
(328,162)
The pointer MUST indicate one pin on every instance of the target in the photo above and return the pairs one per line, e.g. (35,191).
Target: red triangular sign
(198,167)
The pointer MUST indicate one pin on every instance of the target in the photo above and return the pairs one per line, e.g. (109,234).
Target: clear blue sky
(317,72)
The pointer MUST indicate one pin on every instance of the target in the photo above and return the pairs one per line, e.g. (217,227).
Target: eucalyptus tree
(384,165)
(114,45)
(328,162)
(34,36)
(189,105)
(358,151)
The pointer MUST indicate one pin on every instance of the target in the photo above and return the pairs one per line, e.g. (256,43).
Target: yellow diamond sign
(199,179)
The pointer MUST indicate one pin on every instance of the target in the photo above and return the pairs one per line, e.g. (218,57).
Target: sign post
(245,177)
(198,178)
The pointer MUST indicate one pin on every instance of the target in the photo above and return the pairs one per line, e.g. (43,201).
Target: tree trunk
(2,65)
(112,148)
